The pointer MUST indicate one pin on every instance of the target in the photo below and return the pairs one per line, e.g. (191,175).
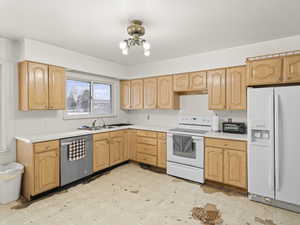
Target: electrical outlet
(148,116)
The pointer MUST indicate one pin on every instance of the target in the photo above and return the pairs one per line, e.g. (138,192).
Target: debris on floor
(22,203)
(208,215)
(211,189)
(153,169)
(264,222)
(92,178)
(135,192)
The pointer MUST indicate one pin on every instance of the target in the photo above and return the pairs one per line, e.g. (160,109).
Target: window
(88,98)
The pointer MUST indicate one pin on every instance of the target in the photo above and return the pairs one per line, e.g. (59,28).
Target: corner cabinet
(217,89)
(41,86)
(125,94)
(167,99)
(136,94)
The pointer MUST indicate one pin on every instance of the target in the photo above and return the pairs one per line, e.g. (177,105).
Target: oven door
(193,158)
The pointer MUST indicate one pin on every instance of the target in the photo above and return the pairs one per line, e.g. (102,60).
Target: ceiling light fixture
(136,31)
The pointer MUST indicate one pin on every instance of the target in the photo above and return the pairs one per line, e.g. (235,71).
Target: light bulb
(125,51)
(147,52)
(146,45)
(123,45)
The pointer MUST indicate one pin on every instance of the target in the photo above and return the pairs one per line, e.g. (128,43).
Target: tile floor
(130,195)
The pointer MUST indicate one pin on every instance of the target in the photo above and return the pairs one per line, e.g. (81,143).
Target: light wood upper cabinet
(236,88)
(116,148)
(100,151)
(266,71)
(181,82)
(235,168)
(161,150)
(136,94)
(150,93)
(57,84)
(217,89)
(214,164)
(167,99)
(125,94)
(37,86)
(41,86)
(291,71)
(198,81)
(46,169)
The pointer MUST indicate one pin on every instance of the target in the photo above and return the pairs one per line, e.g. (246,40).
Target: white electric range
(188,163)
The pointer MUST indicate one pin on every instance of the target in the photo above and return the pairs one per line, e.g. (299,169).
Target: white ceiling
(173,27)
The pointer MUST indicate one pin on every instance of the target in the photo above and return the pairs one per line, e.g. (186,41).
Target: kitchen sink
(96,127)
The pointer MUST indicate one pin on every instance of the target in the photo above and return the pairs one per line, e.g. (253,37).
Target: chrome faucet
(94,123)
(103,122)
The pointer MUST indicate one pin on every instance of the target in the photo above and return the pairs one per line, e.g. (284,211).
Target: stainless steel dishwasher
(74,170)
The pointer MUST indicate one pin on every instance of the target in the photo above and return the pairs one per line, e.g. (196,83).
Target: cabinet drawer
(117,133)
(148,141)
(46,146)
(222,143)
(148,149)
(161,136)
(145,133)
(101,136)
(145,158)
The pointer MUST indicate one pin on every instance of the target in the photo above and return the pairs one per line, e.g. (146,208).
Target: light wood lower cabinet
(226,162)
(132,137)
(41,164)
(162,150)
(116,148)
(100,151)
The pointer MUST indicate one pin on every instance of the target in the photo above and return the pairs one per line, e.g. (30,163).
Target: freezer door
(287,144)
(261,142)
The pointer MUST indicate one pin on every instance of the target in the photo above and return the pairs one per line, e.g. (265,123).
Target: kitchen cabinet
(126,145)
(235,168)
(132,144)
(236,88)
(100,151)
(150,93)
(136,94)
(198,81)
(116,147)
(214,164)
(167,99)
(147,147)
(161,150)
(226,162)
(264,71)
(181,82)
(125,94)
(291,65)
(41,87)
(57,84)
(41,164)
(217,89)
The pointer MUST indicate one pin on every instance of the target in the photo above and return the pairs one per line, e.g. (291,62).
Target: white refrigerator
(274,146)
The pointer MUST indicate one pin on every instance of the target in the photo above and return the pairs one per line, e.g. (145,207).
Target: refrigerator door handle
(277,164)
(271,167)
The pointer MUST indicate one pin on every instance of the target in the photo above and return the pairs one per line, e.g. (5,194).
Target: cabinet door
(126,145)
(216,89)
(100,155)
(198,81)
(236,88)
(57,84)
(125,94)
(46,171)
(235,168)
(150,93)
(214,164)
(161,152)
(266,71)
(38,86)
(116,150)
(132,144)
(166,97)
(181,82)
(136,94)
(291,67)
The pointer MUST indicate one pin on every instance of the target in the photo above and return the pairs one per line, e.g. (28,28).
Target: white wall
(221,58)
(50,54)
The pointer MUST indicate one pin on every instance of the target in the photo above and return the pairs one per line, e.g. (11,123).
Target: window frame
(91,114)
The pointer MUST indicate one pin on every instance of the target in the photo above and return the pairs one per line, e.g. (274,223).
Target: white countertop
(56,136)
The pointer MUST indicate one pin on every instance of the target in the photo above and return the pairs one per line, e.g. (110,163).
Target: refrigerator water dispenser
(260,136)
